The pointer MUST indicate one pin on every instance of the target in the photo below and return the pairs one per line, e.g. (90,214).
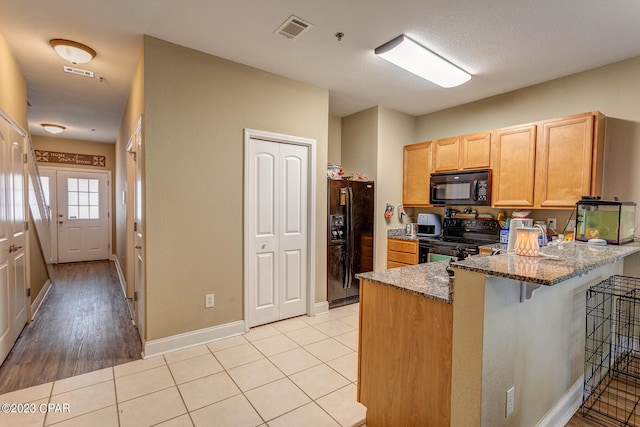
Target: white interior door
(14,303)
(138,229)
(278,223)
(82,216)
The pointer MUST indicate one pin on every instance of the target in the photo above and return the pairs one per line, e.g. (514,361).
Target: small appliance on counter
(412,229)
(429,225)
(612,221)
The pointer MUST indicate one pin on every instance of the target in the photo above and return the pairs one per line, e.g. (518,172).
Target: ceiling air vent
(78,71)
(293,27)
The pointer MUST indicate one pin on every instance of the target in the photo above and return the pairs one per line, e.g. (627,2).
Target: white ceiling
(505,44)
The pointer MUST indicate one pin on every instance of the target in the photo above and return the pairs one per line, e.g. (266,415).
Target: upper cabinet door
(565,154)
(513,160)
(416,175)
(446,154)
(475,151)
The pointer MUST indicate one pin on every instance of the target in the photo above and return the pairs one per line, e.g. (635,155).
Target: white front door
(278,230)
(14,303)
(82,216)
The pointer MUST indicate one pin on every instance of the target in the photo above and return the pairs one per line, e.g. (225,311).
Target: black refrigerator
(350,238)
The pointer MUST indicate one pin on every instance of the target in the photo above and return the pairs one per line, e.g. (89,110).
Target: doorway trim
(54,251)
(311,212)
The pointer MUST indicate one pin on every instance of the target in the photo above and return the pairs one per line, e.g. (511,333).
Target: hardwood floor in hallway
(83,325)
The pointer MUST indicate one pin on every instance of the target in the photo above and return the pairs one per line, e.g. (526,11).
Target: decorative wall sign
(43,156)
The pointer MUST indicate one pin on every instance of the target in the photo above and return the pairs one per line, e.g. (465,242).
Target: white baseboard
(37,303)
(123,282)
(191,339)
(320,308)
(565,408)
(123,285)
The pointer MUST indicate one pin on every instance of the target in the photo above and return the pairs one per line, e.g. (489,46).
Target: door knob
(14,248)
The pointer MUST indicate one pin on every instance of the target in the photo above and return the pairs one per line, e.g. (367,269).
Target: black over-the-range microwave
(469,188)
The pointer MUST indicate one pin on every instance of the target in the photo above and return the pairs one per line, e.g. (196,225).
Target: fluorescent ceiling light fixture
(413,57)
(74,52)
(54,129)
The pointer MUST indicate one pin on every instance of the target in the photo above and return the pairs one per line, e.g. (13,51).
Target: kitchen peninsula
(434,351)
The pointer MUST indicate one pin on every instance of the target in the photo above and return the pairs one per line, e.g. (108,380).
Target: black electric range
(460,237)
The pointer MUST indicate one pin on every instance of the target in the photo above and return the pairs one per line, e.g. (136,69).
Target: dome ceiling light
(74,52)
(54,129)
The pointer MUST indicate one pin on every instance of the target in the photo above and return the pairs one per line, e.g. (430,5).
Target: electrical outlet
(511,401)
(572,225)
(551,223)
(208,301)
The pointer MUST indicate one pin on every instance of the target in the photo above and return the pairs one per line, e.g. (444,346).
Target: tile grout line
(264,356)
(175,384)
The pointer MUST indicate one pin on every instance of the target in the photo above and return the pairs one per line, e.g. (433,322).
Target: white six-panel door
(14,303)
(278,235)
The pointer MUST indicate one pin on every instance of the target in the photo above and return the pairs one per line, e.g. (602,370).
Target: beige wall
(125,171)
(13,87)
(335,141)
(13,100)
(395,130)
(372,142)
(360,143)
(196,108)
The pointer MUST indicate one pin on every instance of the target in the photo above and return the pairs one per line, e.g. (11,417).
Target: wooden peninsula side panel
(405,357)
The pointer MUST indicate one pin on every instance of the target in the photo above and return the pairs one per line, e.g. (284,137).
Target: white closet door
(278,231)
(14,303)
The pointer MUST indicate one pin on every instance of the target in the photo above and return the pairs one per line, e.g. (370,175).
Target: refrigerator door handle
(345,268)
(350,237)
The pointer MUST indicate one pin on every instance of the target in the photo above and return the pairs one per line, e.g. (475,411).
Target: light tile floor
(297,372)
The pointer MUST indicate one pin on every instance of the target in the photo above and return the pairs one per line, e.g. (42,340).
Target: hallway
(83,325)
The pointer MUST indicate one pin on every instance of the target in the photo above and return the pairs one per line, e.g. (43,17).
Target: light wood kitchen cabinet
(446,153)
(569,158)
(475,151)
(472,151)
(401,253)
(416,174)
(513,155)
(549,164)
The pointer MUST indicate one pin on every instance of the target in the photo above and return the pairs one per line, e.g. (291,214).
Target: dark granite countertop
(400,234)
(574,259)
(431,280)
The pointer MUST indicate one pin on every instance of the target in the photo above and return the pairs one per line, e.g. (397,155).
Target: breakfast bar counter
(434,351)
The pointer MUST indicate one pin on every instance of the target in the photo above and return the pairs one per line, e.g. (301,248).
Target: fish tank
(608,220)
